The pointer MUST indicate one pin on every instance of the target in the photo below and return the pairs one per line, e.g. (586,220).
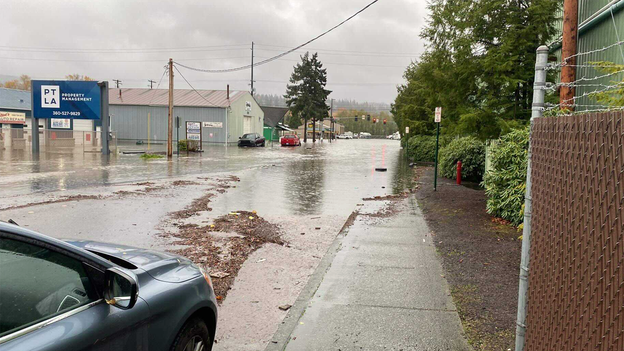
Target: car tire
(192,333)
(263,144)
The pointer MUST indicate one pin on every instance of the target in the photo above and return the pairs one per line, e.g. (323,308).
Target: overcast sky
(357,55)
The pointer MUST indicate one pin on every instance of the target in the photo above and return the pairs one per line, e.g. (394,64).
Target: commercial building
(324,127)
(212,116)
(600,27)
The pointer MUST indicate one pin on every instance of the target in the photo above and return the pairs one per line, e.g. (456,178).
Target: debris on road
(219,275)
(285,307)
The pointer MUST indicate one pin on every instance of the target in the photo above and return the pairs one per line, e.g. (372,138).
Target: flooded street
(308,192)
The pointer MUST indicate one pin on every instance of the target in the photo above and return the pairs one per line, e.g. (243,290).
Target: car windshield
(249,136)
(290,136)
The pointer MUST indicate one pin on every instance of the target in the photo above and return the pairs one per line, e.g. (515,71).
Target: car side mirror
(240,137)
(122,289)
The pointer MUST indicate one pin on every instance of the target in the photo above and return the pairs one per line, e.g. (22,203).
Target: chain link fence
(576,283)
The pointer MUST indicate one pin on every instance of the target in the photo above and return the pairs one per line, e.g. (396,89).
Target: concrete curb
(280,339)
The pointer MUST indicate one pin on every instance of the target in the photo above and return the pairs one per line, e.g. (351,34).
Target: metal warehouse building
(142,114)
(600,26)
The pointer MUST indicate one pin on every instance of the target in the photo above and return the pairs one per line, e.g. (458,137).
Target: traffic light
(374,120)
(356,119)
(385,121)
(368,117)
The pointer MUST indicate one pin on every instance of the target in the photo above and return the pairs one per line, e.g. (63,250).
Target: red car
(290,140)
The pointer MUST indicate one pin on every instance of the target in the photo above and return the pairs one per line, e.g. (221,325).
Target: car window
(37,283)
(248,136)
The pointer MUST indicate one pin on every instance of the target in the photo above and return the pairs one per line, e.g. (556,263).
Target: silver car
(81,295)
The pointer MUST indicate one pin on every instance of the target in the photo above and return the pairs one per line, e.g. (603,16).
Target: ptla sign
(66,99)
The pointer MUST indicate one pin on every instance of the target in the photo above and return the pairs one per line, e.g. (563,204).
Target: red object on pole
(459,167)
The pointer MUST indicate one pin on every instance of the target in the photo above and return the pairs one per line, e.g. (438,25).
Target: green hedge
(470,151)
(422,147)
(505,184)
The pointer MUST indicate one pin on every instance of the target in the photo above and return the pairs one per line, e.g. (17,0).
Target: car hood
(160,265)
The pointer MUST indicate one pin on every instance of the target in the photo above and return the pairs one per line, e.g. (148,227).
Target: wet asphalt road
(325,178)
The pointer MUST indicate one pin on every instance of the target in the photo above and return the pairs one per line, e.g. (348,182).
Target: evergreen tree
(479,66)
(306,96)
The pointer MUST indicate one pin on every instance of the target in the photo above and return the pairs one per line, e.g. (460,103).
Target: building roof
(181,97)
(273,115)
(15,99)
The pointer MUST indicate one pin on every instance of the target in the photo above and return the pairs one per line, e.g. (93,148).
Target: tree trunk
(305,130)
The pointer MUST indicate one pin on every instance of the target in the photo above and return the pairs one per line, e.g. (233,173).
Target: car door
(49,300)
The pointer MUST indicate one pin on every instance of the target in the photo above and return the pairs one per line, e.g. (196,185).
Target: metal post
(35,128)
(435,177)
(178,134)
(538,107)
(148,130)
(105,117)
(170,121)
(331,122)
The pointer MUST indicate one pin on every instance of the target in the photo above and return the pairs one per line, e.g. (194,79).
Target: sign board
(213,124)
(12,117)
(66,99)
(193,131)
(247,107)
(406,130)
(438,114)
(60,123)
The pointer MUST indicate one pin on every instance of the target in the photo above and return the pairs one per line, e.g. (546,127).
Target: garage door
(246,124)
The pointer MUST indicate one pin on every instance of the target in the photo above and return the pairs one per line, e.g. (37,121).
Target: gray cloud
(390,26)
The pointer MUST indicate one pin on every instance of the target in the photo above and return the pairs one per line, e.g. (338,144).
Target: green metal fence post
(435,178)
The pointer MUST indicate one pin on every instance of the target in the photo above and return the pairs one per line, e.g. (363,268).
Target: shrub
(422,147)
(470,151)
(505,184)
(150,156)
(188,145)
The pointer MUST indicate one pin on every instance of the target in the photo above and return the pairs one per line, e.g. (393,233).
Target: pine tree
(306,96)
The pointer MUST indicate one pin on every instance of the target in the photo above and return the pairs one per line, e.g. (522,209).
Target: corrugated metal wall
(588,7)
(603,35)
(131,122)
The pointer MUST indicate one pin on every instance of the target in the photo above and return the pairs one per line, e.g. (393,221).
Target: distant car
(251,139)
(365,135)
(290,140)
(83,295)
(344,136)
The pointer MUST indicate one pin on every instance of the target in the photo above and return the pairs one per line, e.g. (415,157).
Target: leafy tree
(306,95)
(22,83)
(479,66)
(78,77)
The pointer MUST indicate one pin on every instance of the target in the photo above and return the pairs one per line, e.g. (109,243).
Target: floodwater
(316,178)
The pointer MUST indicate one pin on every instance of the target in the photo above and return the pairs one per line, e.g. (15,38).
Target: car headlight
(206,276)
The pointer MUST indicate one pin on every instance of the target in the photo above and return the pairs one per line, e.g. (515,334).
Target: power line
(347,52)
(158,86)
(189,84)
(348,64)
(117,61)
(122,51)
(284,53)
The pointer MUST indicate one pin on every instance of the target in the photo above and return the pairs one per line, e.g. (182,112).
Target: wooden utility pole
(170,131)
(252,66)
(569,44)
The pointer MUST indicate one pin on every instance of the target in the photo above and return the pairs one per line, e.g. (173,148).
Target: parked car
(344,136)
(290,140)
(85,295)
(251,139)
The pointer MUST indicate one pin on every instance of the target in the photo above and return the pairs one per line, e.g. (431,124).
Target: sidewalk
(384,289)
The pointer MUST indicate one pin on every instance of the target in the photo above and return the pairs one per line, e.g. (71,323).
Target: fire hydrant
(459,169)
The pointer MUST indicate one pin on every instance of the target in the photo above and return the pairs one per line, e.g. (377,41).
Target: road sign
(66,99)
(212,124)
(406,130)
(438,114)
(193,131)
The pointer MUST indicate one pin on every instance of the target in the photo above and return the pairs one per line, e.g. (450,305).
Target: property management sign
(66,99)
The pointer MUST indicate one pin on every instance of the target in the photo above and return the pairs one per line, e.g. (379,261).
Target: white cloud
(386,27)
